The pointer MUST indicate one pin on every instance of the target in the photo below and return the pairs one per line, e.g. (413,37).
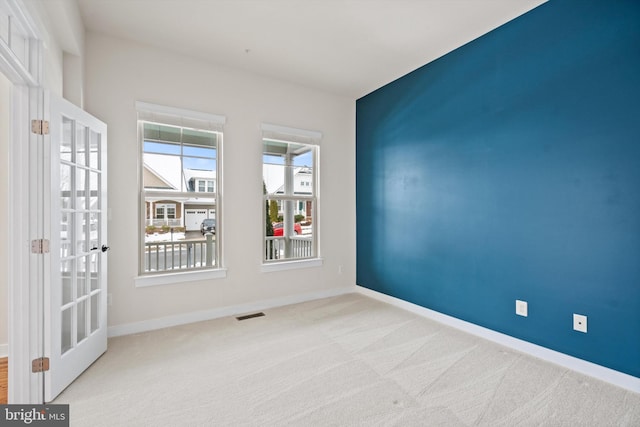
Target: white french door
(75,297)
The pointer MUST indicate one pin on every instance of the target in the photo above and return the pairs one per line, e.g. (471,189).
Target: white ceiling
(348,47)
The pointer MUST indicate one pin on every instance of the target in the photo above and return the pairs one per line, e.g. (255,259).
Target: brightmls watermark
(34,415)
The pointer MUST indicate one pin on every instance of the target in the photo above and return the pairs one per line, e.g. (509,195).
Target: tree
(268,225)
(273,211)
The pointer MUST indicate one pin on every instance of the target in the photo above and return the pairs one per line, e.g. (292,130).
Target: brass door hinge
(40,364)
(40,246)
(40,127)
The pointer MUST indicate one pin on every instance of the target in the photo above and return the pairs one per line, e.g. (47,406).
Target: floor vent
(250,316)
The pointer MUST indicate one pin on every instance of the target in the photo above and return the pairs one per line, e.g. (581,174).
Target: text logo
(34,415)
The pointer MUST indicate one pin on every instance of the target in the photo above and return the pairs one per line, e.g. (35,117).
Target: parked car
(208,225)
(278,229)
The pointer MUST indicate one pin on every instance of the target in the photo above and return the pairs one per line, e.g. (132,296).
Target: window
(289,173)
(206,185)
(165,211)
(179,176)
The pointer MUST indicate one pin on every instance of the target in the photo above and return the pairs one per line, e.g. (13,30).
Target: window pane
(161,148)
(81,144)
(162,172)
(81,237)
(67,319)
(65,186)
(66,231)
(82,321)
(66,145)
(66,271)
(82,277)
(94,200)
(80,189)
(94,147)
(94,265)
(292,236)
(197,172)
(163,133)
(184,246)
(295,163)
(95,312)
(199,152)
(197,138)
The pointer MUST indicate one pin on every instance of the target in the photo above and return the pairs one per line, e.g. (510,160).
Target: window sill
(174,278)
(291,265)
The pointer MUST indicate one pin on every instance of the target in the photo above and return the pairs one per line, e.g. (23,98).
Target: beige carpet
(343,361)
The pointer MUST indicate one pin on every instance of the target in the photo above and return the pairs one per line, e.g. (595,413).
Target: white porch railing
(175,222)
(195,254)
(275,248)
(183,255)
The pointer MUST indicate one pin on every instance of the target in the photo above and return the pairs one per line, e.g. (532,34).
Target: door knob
(105,248)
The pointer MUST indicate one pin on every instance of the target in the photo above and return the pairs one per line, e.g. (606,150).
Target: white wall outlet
(580,323)
(109,299)
(522,308)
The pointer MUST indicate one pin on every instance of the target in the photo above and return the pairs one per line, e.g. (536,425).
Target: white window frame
(208,185)
(165,210)
(171,116)
(297,136)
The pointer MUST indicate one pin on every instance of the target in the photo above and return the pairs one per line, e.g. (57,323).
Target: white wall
(5,120)
(118,73)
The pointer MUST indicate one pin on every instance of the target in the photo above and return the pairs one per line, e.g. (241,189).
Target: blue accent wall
(510,169)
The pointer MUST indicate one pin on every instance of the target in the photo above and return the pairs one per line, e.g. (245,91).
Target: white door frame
(25,269)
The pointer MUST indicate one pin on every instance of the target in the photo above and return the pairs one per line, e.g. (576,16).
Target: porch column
(287,226)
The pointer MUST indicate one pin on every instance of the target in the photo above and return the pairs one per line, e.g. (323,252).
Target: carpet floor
(342,361)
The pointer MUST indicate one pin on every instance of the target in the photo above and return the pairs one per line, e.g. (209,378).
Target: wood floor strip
(4,377)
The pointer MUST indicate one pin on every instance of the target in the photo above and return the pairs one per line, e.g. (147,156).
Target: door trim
(24,304)
(25,294)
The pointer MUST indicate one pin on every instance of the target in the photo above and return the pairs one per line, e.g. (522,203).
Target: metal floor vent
(250,316)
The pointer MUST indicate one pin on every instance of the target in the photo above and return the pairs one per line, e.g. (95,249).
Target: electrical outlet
(522,308)
(580,323)
(109,299)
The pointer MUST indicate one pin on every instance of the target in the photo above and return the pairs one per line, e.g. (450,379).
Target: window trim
(159,279)
(292,264)
(186,119)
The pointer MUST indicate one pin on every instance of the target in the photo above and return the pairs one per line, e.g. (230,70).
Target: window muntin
(175,160)
(290,203)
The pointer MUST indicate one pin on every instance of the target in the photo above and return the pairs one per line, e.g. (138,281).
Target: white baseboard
(199,316)
(4,350)
(611,376)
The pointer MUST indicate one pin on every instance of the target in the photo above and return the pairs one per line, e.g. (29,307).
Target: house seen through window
(179,199)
